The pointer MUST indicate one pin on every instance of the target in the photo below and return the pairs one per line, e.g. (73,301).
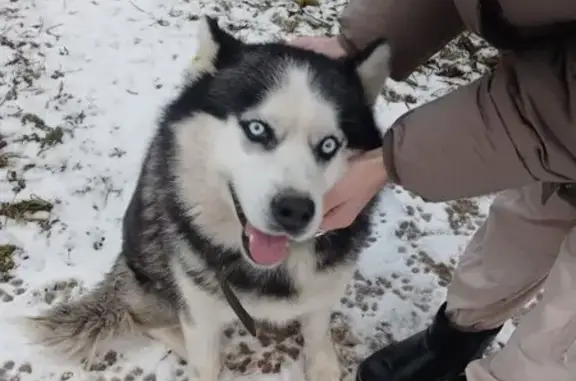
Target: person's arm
(415,29)
(511,128)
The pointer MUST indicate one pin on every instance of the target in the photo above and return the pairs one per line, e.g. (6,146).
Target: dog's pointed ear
(216,47)
(373,67)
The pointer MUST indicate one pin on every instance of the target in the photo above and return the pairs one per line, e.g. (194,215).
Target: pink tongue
(266,249)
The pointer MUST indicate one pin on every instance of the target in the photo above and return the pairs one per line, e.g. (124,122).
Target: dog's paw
(323,366)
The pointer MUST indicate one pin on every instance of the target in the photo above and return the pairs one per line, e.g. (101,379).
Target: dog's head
(286,122)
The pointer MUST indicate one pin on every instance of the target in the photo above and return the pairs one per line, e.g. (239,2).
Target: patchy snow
(81,85)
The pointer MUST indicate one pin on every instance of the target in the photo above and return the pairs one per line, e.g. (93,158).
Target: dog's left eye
(258,132)
(327,147)
(256,128)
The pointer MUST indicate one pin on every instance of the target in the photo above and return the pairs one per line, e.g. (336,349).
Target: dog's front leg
(202,339)
(321,361)
(172,338)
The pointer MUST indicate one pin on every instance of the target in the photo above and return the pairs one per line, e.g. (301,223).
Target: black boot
(440,353)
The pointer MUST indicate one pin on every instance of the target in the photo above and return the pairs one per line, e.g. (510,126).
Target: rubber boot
(439,353)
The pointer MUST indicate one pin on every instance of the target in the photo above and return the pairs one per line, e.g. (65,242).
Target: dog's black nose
(292,211)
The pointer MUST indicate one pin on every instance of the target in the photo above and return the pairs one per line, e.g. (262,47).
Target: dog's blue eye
(256,128)
(327,147)
(258,132)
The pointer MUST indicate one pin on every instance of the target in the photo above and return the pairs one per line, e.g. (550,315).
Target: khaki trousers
(522,247)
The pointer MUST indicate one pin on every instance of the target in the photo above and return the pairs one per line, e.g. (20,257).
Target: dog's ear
(373,67)
(216,47)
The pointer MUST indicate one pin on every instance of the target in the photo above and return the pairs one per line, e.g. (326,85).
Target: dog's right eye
(258,132)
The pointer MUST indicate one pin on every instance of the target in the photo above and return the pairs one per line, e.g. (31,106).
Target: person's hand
(329,46)
(365,177)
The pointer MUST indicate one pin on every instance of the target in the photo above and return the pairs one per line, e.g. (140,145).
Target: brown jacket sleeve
(513,127)
(416,29)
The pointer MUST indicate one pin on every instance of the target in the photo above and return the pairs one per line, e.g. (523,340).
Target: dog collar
(232,299)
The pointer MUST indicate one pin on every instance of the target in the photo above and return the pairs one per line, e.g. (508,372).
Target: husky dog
(234,178)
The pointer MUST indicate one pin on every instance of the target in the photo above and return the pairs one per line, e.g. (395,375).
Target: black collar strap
(232,299)
(227,269)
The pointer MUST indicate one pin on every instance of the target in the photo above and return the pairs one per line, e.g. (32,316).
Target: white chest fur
(316,291)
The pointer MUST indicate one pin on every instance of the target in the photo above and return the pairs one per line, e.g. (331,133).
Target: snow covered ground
(81,84)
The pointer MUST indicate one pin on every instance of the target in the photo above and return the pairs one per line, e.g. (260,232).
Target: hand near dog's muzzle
(365,177)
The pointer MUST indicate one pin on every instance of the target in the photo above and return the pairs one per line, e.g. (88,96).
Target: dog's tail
(75,328)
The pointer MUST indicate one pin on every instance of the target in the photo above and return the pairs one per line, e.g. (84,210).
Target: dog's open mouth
(262,248)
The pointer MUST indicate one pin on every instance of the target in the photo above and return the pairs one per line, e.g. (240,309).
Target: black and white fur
(181,225)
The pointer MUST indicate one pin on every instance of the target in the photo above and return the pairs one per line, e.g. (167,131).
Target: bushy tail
(75,328)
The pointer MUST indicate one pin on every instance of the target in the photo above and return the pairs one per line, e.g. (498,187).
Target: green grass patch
(21,210)
(7,258)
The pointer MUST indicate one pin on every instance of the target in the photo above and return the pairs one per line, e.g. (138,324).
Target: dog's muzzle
(228,268)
